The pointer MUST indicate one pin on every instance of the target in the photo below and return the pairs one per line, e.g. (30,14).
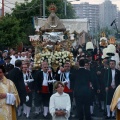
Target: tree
(17,26)
(10,34)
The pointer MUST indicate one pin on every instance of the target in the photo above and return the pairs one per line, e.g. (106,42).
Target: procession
(61,72)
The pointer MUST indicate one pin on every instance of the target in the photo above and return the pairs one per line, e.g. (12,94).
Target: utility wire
(6,5)
(9,2)
(22,11)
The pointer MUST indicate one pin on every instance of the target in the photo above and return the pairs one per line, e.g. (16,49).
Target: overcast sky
(9,2)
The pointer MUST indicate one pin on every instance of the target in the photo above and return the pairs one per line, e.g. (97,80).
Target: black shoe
(101,110)
(46,117)
(36,116)
(92,115)
(107,117)
(24,114)
(104,113)
(113,117)
(28,118)
(20,115)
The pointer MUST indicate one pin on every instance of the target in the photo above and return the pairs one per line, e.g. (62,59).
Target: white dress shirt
(45,79)
(113,79)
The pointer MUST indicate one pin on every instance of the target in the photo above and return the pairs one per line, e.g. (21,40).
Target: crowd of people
(92,80)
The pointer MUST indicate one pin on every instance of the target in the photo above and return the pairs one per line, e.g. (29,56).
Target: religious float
(53,42)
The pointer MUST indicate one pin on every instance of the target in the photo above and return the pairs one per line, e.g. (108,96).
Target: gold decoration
(52,8)
(103,34)
(103,40)
(112,40)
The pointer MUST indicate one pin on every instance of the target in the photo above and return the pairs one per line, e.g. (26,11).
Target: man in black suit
(102,95)
(112,78)
(82,78)
(44,87)
(7,65)
(16,76)
(94,86)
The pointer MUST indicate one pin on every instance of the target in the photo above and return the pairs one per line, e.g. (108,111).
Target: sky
(10,3)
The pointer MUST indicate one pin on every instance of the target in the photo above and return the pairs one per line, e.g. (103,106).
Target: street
(98,116)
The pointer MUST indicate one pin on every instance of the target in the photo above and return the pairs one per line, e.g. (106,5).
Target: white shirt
(113,79)
(24,76)
(12,61)
(23,58)
(67,78)
(45,79)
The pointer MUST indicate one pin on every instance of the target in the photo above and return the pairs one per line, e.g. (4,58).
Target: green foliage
(16,27)
(10,34)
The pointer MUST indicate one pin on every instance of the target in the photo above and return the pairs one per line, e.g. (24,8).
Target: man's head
(24,68)
(29,55)
(27,62)
(82,63)
(30,50)
(112,64)
(87,65)
(19,54)
(45,67)
(89,57)
(7,59)
(23,54)
(67,66)
(16,54)
(105,62)
(18,63)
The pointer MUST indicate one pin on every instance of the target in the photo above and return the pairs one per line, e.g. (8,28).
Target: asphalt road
(97,116)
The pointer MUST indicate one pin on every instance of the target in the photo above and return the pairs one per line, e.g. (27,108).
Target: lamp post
(65,7)
(43,8)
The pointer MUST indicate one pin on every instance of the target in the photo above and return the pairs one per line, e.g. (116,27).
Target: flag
(113,22)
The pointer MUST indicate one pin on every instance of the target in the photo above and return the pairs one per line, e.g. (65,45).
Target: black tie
(26,77)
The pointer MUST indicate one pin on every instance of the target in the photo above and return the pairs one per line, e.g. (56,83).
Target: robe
(58,101)
(114,102)
(8,112)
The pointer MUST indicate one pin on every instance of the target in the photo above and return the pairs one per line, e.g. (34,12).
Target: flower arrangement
(55,59)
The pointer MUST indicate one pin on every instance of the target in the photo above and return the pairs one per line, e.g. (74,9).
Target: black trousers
(45,99)
(83,107)
(109,95)
(29,103)
(38,99)
(71,96)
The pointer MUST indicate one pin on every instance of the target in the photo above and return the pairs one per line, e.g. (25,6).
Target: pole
(2,7)
(43,8)
(65,6)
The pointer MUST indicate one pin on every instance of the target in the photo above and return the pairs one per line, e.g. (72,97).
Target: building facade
(0,12)
(107,14)
(89,11)
(118,20)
